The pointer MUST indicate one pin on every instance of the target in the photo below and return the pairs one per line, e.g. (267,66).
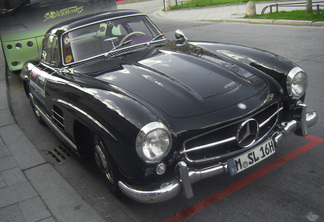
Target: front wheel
(106,165)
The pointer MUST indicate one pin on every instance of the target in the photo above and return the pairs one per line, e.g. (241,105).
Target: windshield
(103,37)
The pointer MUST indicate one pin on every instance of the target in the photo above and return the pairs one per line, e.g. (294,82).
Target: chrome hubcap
(36,111)
(101,158)
(103,163)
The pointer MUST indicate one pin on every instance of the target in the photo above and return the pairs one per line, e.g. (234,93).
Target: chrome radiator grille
(221,143)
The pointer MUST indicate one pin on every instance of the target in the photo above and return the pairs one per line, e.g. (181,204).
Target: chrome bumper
(305,118)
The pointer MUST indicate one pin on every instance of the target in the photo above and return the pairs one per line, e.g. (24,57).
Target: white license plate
(251,157)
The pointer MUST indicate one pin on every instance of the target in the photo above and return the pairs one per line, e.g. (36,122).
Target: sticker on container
(66,39)
(68,59)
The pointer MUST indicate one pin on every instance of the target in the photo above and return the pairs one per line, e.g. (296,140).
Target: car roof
(81,21)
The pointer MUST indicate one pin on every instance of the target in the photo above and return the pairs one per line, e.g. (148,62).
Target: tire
(106,165)
(35,110)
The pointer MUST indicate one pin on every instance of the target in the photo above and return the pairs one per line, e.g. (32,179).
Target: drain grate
(58,154)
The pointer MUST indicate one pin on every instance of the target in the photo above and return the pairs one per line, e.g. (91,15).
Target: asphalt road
(290,191)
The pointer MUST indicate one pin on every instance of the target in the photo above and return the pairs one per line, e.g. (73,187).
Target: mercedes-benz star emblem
(247,133)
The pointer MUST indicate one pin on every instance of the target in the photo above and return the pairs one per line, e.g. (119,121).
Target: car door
(41,73)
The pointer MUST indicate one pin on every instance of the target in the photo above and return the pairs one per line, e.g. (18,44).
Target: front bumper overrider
(305,117)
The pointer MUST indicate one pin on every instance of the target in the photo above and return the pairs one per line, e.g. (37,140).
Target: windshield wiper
(122,44)
(155,38)
(158,36)
(117,47)
(126,42)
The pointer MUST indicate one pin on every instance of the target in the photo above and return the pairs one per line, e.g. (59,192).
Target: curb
(272,21)
(41,193)
(254,21)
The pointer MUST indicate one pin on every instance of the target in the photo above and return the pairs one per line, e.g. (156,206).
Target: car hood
(183,81)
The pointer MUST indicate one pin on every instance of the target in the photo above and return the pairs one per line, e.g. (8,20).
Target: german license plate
(251,157)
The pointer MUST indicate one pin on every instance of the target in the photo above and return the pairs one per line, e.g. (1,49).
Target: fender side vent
(58,155)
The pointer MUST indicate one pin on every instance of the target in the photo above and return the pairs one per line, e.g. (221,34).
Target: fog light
(160,169)
(14,63)
(9,47)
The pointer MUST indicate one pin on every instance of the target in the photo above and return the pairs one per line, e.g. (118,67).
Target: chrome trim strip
(57,121)
(273,126)
(103,20)
(267,120)
(57,114)
(87,115)
(47,66)
(208,145)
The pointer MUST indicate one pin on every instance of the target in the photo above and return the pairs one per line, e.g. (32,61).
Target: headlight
(296,83)
(153,142)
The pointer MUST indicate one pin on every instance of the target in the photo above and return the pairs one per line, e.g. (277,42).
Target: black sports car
(158,115)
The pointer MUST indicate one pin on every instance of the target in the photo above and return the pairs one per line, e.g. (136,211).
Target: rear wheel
(106,165)
(35,110)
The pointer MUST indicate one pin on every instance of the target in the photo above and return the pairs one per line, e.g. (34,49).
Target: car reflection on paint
(157,115)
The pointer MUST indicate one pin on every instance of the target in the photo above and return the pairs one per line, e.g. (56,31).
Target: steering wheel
(130,34)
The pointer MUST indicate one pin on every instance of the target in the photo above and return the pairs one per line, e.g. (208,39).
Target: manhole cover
(58,154)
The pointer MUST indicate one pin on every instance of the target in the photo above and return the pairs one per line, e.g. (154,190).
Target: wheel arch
(26,87)
(83,137)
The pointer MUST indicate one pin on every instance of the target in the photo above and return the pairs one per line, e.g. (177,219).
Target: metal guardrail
(316,4)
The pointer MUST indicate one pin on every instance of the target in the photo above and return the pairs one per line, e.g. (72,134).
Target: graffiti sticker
(63,12)
(68,59)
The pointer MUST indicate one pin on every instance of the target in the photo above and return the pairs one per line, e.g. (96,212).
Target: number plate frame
(251,157)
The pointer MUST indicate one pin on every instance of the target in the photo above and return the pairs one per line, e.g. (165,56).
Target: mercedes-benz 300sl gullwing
(159,115)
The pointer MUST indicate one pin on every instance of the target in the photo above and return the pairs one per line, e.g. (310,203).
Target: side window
(50,53)
(45,48)
(56,52)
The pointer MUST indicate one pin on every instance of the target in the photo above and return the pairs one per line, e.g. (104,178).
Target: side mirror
(181,38)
